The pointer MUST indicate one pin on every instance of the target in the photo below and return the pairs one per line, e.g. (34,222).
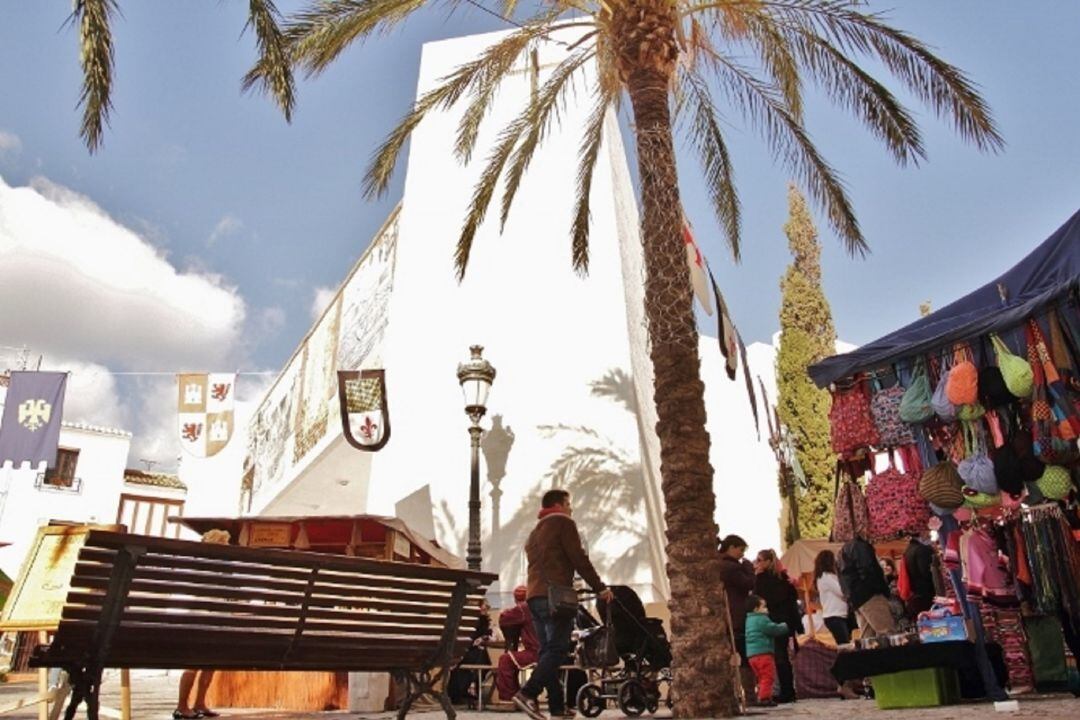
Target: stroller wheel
(633,700)
(590,700)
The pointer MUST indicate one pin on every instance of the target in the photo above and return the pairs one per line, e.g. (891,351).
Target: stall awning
(1047,274)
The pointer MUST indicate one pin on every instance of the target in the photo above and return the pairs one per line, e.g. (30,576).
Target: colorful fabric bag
(942,486)
(963,384)
(851,425)
(1054,422)
(915,407)
(993,392)
(896,509)
(850,516)
(977,470)
(943,408)
(978,500)
(1055,482)
(885,409)
(1015,370)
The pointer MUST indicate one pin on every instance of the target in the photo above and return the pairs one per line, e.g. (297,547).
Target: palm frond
(527,121)
(537,117)
(944,87)
(707,137)
(498,61)
(764,108)
(96,58)
(452,88)
(750,23)
(591,141)
(273,70)
(871,102)
(319,33)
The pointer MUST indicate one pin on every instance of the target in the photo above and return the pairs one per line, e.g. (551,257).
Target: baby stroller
(639,643)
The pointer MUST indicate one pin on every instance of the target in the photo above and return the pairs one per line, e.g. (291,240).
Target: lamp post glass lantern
(476,377)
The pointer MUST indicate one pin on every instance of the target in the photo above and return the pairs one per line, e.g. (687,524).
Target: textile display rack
(966,422)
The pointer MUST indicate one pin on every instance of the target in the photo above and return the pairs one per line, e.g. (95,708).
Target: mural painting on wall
(270,430)
(365,303)
(318,383)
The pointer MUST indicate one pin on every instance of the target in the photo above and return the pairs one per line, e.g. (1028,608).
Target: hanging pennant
(365,418)
(205,416)
(725,331)
(33,410)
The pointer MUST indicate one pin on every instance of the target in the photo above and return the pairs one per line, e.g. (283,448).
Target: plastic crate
(927,687)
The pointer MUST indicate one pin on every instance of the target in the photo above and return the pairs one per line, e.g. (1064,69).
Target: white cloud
(9,143)
(321,300)
(87,287)
(226,227)
(90,294)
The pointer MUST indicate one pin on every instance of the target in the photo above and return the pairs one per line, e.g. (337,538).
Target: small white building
(90,484)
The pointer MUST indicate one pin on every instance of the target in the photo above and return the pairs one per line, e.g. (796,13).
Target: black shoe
(177,715)
(529,706)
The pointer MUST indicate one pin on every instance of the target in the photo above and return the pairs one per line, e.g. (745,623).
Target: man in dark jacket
(919,564)
(555,553)
(867,591)
(737,574)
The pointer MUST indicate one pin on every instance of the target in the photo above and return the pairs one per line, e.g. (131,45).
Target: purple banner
(33,409)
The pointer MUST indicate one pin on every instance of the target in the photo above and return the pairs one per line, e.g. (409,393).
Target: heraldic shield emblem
(205,412)
(365,419)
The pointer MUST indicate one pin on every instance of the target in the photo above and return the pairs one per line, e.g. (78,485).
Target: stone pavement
(154,697)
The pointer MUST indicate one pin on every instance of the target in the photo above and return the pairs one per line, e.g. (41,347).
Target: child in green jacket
(760,632)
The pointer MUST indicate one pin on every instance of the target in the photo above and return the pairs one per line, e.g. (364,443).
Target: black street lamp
(475,377)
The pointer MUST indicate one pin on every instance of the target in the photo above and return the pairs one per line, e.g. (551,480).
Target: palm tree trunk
(704,678)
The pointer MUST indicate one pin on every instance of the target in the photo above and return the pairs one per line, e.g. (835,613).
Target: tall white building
(574,383)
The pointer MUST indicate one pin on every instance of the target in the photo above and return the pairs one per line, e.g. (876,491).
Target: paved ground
(154,697)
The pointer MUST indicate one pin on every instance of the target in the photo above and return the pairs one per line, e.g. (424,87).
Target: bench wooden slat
(288,558)
(145,590)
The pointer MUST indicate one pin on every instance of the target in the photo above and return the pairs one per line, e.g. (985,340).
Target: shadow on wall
(608,488)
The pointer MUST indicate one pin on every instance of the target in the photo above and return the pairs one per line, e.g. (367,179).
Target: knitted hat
(520,592)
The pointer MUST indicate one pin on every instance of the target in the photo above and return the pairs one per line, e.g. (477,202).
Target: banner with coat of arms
(365,419)
(205,412)
(33,410)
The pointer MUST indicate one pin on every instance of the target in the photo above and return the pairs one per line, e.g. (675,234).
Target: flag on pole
(33,410)
(696,263)
(365,418)
(205,412)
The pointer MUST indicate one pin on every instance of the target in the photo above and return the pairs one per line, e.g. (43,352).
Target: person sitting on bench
(522,645)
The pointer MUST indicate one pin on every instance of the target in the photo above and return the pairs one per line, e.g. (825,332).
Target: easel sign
(37,598)
(37,601)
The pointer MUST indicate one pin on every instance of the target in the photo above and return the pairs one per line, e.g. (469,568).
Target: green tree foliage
(806,336)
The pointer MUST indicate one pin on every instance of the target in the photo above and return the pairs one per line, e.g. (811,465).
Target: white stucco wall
(102,458)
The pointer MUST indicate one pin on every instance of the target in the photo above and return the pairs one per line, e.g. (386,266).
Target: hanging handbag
(943,408)
(1015,370)
(1054,423)
(885,409)
(894,505)
(915,407)
(963,384)
(941,486)
(977,470)
(850,516)
(1055,482)
(598,644)
(851,426)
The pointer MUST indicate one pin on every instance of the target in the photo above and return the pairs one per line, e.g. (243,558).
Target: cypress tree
(806,336)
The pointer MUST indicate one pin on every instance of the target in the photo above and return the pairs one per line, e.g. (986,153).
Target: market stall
(966,422)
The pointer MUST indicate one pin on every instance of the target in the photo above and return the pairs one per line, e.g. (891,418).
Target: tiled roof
(162,480)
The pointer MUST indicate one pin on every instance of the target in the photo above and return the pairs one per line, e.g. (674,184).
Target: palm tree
(670,58)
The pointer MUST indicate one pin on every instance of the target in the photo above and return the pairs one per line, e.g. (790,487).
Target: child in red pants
(760,632)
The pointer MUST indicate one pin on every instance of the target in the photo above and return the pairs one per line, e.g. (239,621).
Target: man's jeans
(554,636)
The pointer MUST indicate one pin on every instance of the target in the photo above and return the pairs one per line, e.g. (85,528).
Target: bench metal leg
(419,684)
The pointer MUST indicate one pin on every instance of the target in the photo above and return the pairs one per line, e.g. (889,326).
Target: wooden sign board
(37,598)
(266,534)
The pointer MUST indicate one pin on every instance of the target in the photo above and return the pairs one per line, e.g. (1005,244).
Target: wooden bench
(147,602)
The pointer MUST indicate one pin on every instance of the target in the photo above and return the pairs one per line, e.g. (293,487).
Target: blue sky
(220,185)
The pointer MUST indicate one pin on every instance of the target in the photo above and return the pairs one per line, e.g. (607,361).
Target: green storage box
(916,688)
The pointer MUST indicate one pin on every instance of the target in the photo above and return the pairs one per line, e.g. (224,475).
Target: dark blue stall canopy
(1047,274)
